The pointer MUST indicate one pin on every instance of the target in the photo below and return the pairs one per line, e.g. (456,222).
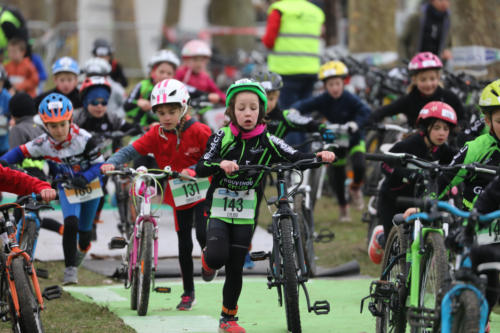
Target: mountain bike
(20,296)
(415,262)
(464,308)
(287,270)
(141,258)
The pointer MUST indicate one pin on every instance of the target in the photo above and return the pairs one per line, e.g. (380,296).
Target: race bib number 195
(233,204)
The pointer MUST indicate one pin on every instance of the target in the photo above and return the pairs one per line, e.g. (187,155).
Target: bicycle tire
(30,320)
(394,320)
(291,286)
(306,234)
(314,181)
(131,216)
(434,269)
(373,171)
(29,236)
(135,278)
(466,314)
(144,268)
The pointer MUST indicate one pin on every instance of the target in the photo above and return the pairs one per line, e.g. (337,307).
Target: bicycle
(141,259)
(464,308)
(414,266)
(287,270)
(20,296)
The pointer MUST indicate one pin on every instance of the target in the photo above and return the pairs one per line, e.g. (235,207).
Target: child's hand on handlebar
(229,166)
(326,156)
(213,98)
(144,104)
(107,167)
(48,194)
(410,211)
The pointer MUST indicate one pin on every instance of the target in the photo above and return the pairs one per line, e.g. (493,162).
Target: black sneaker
(187,302)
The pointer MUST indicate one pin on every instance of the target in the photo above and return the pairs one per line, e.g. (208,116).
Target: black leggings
(185,219)
(227,244)
(337,176)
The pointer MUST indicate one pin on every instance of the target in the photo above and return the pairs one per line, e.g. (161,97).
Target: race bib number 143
(233,204)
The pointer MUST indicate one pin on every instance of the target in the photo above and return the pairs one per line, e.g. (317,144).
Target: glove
(328,136)
(79,181)
(352,126)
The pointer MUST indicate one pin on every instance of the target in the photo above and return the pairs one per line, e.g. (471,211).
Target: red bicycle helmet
(424,61)
(437,110)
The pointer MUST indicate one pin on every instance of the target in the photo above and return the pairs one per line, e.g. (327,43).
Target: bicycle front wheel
(394,311)
(28,236)
(291,286)
(434,265)
(144,268)
(306,233)
(30,311)
(465,313)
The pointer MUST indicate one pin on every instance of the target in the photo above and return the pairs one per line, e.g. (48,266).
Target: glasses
(96,102)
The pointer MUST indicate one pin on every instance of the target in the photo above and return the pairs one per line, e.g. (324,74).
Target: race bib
(92,191)
(187,191)
(233,204)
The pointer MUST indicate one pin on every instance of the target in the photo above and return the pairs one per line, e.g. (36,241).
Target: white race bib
(187,191)
(92,191)
(233,204)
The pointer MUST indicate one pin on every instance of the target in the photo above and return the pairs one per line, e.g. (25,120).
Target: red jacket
(20,183)
(23,76)
(200,81)
(178,155)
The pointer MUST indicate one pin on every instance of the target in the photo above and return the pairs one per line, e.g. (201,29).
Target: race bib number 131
(186,191)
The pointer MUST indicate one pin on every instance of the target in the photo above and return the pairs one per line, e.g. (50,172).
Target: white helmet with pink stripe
(170,91)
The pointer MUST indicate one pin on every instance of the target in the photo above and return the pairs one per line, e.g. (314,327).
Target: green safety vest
(136,115)
(296,49)
(7,16)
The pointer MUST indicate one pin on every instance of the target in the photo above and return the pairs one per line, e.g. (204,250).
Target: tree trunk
(371,25)
(232,13)
(476,23)
(332,20)
(125,40)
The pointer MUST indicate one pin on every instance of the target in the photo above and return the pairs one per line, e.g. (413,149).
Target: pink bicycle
(141,258)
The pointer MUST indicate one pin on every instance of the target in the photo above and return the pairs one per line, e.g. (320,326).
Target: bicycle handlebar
(147,172)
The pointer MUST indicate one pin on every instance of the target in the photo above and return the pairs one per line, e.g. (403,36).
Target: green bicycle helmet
(270,81)
(246,85)
(490,97)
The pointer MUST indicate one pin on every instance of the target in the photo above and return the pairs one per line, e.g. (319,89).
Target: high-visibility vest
(7,16)
(296,49)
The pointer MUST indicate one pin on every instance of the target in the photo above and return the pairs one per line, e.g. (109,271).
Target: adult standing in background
(428,30)
(293,37)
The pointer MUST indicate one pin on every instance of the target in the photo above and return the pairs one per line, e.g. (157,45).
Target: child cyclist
(177,141)
(19,183)
(65,71)
(71,152)
(425,71)
(435,122)
(244,141)
(339,106)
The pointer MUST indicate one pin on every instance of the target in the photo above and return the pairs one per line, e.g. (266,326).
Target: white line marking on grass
(172,324)
(99,294)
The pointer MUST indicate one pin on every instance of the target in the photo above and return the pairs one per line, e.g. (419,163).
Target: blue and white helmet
(66,64)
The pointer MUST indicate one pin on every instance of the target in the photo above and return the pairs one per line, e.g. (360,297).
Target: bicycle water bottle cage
(421,317)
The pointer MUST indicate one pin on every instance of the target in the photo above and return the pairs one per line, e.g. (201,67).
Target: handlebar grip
(414,202)
(383,158)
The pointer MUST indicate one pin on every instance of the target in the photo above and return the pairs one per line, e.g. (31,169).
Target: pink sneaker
(375,250)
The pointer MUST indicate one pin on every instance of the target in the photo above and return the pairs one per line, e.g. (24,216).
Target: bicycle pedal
(324,236)
(52,292)
(120,273)
(321,307)
(42,273)
(117,243)
(259,255)
(163,290)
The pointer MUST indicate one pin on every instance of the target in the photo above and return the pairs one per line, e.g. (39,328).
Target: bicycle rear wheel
(466,313)
(144,268)
(306,233)
(291,286)
(394,318)
(30,320)
(434,266)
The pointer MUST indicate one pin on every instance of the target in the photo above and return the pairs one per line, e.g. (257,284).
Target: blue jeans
(296,88)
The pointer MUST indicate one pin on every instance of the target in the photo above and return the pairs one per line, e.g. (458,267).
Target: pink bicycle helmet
(437,110)
(195,48)
(423,61)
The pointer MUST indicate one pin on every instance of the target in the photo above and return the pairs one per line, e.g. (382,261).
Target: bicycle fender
(446,315)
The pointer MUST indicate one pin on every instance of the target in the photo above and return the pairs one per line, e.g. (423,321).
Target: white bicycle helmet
(170,91)
(96,67)
(164,56)
(195,48)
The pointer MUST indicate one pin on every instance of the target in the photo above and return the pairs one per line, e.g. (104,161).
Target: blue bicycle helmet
(55,108)
(66,64)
